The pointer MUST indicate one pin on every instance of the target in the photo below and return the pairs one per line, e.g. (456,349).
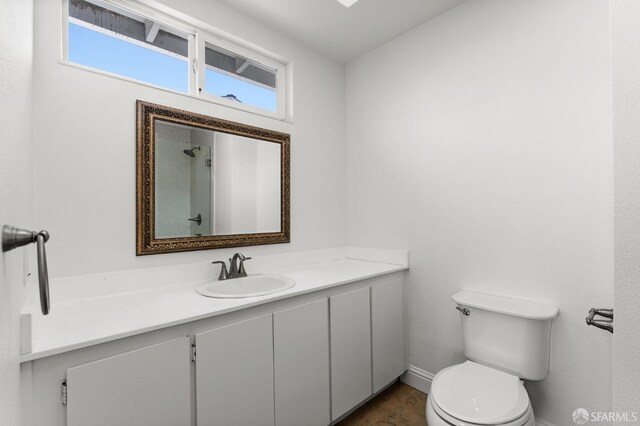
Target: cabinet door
(301,360)
(388,333)
(234,374)
(350,350)
(149,386)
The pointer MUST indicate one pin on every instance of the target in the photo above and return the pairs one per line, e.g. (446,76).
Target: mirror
(208,183)
(214,183)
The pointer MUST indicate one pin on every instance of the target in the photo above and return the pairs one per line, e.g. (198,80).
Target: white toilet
(506,341)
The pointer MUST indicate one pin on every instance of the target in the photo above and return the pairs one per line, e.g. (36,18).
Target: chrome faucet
(236,267)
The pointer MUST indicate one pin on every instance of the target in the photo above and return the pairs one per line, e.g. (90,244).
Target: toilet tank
(507,334)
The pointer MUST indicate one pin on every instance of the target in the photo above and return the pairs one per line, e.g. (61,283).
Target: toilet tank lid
(506,305)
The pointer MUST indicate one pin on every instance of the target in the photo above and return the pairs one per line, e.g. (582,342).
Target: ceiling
(340,32)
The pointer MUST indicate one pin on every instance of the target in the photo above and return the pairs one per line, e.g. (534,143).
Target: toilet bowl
(470,394)
(505,341)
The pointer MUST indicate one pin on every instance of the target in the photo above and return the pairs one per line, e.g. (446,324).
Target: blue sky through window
(220,84)
(111,54)
(115,55)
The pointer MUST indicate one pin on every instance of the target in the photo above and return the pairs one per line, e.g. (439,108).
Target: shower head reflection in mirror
(190,152)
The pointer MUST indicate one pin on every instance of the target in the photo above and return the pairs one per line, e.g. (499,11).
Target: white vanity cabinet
(388,347)
(350,350)
(303,360)
(301,365)
(266,369)
(234,374)
(148,386)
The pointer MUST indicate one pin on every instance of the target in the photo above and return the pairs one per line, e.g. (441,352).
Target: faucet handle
(223,270)
(242,271)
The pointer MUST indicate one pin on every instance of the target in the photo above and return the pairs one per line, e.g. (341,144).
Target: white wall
(16,26)
(246,185)
(85,148)
(482,141)
(243,188)
(222,183)
(625,27)
(268,187)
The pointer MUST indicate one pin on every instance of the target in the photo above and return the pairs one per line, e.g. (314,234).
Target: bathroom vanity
(165,355)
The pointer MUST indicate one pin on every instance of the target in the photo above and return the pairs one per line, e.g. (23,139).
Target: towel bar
(605,324)
(12,238)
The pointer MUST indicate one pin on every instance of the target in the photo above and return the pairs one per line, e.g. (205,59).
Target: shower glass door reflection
(182,181)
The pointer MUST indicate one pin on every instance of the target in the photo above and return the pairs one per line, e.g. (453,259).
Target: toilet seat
(472,393)
(437,417)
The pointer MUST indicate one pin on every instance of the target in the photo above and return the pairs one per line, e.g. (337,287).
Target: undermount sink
(249,286)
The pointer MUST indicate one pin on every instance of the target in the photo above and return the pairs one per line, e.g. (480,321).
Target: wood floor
(399,405)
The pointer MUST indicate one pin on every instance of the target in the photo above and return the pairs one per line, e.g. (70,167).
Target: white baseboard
(417,378)
(420,379)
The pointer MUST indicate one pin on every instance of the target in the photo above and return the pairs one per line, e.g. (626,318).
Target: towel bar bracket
(13,238)
(605,324)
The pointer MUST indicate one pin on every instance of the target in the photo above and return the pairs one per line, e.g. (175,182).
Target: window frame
(197,39)
(203,38)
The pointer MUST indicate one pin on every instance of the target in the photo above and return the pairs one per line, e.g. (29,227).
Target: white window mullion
(282,91)
(64,31)
(200,58)
(193,64)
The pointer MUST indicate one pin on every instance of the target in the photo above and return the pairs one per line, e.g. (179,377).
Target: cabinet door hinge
(193,353)
(63,392)
(194,66)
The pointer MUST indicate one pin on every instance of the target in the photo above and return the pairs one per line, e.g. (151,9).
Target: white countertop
(85,321)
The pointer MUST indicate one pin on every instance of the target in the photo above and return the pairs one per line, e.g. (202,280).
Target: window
(144,45)
(239,79)
(127,45)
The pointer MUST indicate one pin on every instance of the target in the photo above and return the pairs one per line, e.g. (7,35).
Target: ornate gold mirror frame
(146,243)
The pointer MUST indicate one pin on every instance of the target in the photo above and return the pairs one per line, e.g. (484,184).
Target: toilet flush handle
(465,311)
